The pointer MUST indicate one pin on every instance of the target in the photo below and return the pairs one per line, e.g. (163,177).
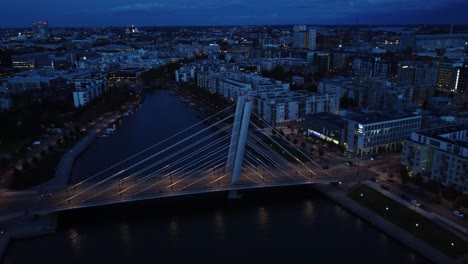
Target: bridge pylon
(239,135)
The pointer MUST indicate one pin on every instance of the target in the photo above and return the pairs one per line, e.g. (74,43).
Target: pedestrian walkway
(419,246)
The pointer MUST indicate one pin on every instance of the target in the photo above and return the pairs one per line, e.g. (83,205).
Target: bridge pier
(239,135)
(233,194)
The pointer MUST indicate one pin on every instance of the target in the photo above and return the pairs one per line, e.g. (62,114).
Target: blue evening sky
(22,13)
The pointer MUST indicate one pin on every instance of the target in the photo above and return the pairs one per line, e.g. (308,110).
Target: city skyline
(256,12)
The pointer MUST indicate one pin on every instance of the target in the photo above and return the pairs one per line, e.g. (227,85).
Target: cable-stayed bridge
(232,153)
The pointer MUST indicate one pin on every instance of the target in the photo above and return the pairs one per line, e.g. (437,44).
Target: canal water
(277,225)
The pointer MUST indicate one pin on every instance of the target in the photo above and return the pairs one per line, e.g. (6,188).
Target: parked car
(374,179)
(415,202)
(459,214)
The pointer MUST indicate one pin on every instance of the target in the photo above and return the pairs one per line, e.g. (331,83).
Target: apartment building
(439,155)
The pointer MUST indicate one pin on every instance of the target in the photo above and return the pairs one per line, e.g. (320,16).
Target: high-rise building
(418,74)
(367,67)
(304,38)
(40,29)
(459,81)
(447,74)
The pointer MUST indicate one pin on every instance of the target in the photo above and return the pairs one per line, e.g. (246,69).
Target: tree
(433,186)
(461,201)
(321,151)
(450,194)
(26,165)
(418,179)
(404,175)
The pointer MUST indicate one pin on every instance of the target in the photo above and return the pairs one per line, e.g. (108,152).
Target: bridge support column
(235,134)
(242,139)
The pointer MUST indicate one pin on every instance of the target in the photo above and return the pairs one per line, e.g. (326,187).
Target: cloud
(172,6)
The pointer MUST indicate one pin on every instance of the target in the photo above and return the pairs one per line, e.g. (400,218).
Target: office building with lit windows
(24,62)
(439,155)
(373,132)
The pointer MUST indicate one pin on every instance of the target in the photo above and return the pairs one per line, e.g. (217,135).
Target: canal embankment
(340,197)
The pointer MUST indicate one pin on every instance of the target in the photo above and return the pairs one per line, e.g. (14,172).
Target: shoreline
(406,239)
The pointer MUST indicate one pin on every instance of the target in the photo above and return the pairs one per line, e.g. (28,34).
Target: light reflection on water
(74,238)
(309,210)
(125,234)
(172,230)
(219,224)
(262,218)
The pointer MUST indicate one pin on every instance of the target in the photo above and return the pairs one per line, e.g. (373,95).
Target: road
(124,189)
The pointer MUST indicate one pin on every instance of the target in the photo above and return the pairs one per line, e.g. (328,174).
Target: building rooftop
(443,133)
(370,117)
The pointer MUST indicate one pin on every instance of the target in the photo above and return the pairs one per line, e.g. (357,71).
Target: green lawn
(40,172)
(411,221)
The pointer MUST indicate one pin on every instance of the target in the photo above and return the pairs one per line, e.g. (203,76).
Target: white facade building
(439,155)
(278,109)
(86,90)
(369,133)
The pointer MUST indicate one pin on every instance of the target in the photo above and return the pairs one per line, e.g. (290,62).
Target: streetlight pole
(357,173)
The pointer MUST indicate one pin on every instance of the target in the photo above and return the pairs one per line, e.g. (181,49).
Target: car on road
(348,163)
(44,195)
(415,202)
(374,179)
(325,167)
(459,214)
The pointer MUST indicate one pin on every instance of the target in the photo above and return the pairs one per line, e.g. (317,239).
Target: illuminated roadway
(118,191)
